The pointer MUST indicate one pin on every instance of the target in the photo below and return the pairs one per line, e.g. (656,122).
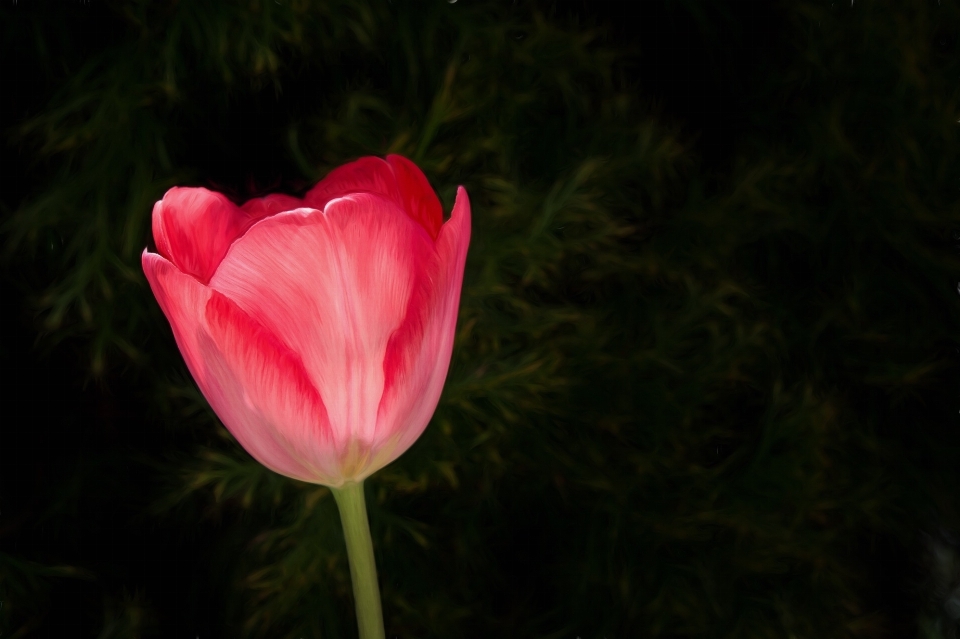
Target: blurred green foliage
(686,398)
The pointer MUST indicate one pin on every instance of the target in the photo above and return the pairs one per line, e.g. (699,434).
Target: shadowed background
(705,381)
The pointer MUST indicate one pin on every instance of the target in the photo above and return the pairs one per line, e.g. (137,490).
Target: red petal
(418,356)
(366,175)
(419,200)
(194,227)
(271,205)
(396,179)
(182,299)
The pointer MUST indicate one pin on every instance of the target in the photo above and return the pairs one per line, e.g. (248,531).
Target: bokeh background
(705,380)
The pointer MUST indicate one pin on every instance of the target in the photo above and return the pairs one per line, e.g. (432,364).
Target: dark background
(815,172)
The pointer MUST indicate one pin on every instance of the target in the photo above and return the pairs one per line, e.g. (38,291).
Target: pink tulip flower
(320,330)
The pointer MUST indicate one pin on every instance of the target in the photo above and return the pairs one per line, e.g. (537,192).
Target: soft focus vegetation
(706,370)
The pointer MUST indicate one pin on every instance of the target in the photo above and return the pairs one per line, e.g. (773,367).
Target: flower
(320,330)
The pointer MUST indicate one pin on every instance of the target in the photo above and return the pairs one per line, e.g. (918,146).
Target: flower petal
(182,299)
(333,285)
(271,205)
(396,179)
(418,198)
(260,390)
(224,351)
(194,227)
(418,355)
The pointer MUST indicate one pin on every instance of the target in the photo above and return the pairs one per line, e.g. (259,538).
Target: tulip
(320,330)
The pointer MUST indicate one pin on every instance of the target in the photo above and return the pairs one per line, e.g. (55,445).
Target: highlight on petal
(334,286)
(396,179)
(194,227)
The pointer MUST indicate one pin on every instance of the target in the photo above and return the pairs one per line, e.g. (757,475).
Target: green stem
(363,567)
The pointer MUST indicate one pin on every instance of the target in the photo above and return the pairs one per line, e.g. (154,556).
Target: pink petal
(217,365)
(396,179)
(418,355)
(194,227)
(334,286)
(258,387)
(182,299)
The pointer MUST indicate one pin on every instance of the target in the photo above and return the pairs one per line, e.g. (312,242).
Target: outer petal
(396,179)
(418,356)
(418,199)
(222,364)
(182,299)
(194,227)
(334,286)
(259,388)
